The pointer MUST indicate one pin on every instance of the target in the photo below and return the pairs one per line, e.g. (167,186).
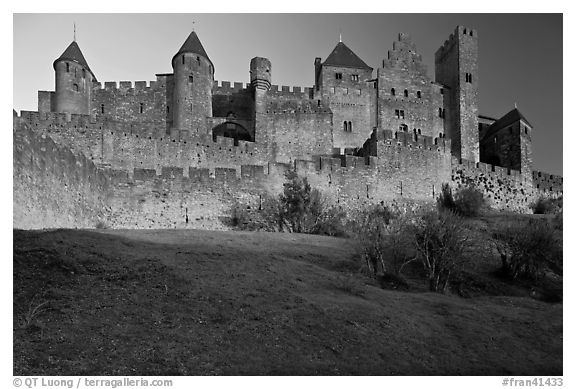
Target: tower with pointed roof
(73,82)
(192,92)
(344,83)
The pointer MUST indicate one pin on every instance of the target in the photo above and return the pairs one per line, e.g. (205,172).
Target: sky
(520,55)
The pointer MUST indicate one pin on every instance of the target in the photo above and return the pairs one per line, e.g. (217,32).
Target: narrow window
(441,91)
(471,33)
(183,59)
(83,73)
(345,126)
(167,109)
(318,102)
(405,92)
(397,113)
(470,77)
(349,126)
(419,94)
(102,108)
(419,132)
(198,60)
(338,76)
(67,67)
(402,114)
(526,130)
(190,78)
(464,31)
(354,77)
(75,87)
(141,107)
(393,92)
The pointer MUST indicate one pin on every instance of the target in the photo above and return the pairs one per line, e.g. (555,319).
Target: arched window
(393,92)
(419,94)
(405,92)
(67,67)
(419,132)
(403,127)
(141,107)
(346,126)
(349,126)
(75,86)
(190,78)
(183,59)
(83,73)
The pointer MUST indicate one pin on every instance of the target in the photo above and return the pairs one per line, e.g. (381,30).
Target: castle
(180,151)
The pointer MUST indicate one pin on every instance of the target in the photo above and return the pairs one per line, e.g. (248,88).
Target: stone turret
(260,79)
(192,95)
(73,82)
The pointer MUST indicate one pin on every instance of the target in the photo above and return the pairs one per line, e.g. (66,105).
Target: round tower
(193,82)
(260,79)
(73,82)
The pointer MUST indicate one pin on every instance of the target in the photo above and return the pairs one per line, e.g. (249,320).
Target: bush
(547,206)
(441,243)
(101,225)
(298,209)
(466,202)
(526,251)
(469,201)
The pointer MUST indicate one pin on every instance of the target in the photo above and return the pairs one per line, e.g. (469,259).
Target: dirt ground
(189,302)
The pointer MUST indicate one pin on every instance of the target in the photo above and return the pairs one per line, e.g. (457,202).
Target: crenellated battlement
(290,91)
(125,86)
(460,31)
(225,87)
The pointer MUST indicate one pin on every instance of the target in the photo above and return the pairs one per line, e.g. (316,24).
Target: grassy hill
(187,302)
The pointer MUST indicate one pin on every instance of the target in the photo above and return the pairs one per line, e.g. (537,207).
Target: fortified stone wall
(142,105)
(53,187)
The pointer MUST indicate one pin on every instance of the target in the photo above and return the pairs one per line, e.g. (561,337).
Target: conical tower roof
(193,45)
(342,56)
(74,54)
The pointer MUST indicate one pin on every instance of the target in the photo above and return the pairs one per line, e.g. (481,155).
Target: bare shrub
(527,250)
(385,242)
(440,240)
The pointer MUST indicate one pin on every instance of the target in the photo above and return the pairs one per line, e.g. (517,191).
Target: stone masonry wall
(53,187)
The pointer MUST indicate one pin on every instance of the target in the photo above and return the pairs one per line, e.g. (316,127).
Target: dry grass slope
(200,302)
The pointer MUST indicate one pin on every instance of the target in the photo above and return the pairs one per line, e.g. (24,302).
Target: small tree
(295,201)
(441,243)
(304,210)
